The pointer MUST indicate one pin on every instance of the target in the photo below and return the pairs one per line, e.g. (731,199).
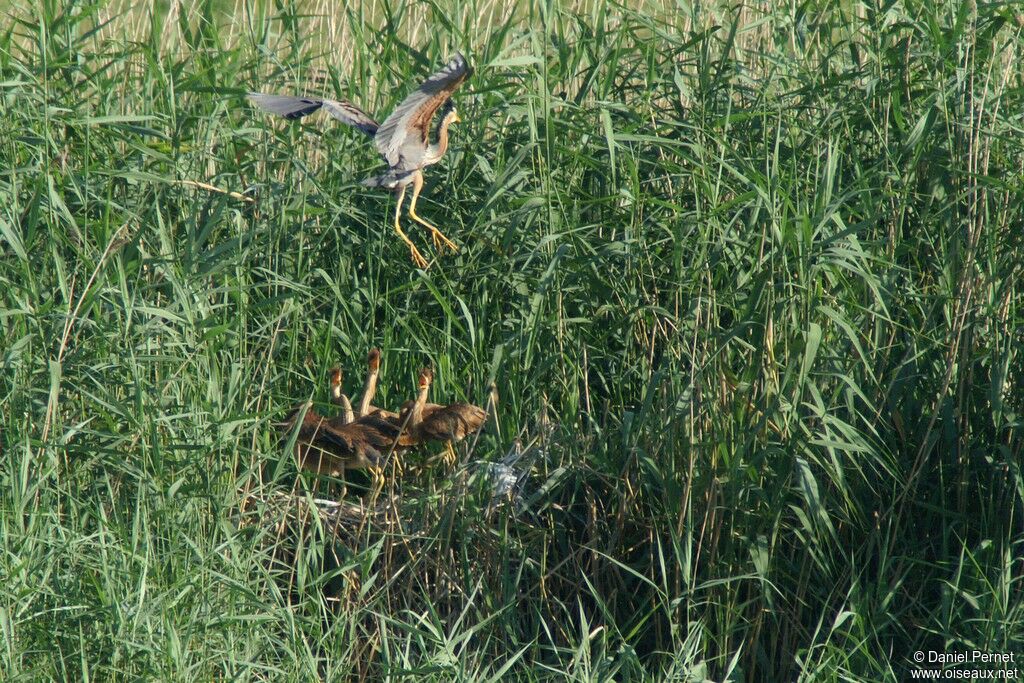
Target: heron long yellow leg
(417,257)
(376,484)
(439,238)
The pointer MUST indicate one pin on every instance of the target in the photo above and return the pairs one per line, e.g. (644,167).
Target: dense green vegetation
(748,281)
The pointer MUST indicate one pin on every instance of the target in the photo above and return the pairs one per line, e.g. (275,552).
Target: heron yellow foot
(441,241)
(439,238)
(417,257)
(450,458)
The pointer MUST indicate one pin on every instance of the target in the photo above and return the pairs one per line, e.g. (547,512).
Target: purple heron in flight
(403,139)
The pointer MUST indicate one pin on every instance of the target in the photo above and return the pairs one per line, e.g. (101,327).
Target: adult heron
(403,139)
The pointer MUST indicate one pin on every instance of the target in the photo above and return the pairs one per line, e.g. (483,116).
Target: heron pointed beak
(456,118)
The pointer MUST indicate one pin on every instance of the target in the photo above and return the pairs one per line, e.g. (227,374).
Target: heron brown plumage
(326,449)
(403,139)
(331,450)
(434,422)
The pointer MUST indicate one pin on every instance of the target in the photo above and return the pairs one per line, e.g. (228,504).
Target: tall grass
(747,280)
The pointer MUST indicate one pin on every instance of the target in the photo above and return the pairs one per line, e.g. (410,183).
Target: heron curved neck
(437,150)
(346,409)
(341,400)
(369,389)
(421,400)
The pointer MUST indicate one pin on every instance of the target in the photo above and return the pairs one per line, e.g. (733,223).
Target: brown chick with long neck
(434,422)
(339,399)
(326,449)
(370,389)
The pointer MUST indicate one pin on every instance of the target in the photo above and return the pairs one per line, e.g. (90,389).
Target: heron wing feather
(346,112)
(297,107)
(285,105)
(403,137)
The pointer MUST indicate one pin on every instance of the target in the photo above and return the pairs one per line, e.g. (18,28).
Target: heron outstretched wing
(297,107)
(404,134)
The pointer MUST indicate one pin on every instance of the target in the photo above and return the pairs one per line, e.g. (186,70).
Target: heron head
(335,375)
(449,114)
(426,377)
(373,359)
